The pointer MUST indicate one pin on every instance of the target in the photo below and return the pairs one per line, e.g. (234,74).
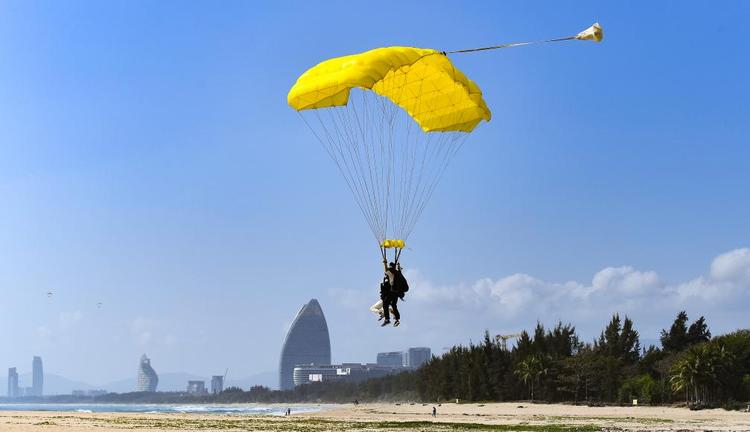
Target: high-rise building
(13,383)
(394,359)
(37,377)
(416,357)
(147,378)
(217,384)
(347,372)
(196,387)
(307,342)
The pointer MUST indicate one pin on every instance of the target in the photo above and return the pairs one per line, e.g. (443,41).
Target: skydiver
(396,277)
(377,308)
(390,300)
(394,290)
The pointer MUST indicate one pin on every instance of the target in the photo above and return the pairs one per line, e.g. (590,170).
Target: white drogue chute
(594,33)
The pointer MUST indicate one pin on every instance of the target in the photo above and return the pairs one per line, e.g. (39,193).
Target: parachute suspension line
(376,198)
(389,164)
(362,159)
(447,146)
(410,157)
(335,152)
(351,159)
(454,147)
(394,182)
(329,145)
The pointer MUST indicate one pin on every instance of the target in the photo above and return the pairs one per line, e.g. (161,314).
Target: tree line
(554,365)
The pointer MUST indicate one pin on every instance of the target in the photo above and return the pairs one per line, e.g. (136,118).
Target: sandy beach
(396,417)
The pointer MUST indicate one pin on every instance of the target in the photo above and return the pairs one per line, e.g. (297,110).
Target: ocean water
(275,410)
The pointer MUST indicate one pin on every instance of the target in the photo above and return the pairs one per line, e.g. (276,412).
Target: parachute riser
(396,256)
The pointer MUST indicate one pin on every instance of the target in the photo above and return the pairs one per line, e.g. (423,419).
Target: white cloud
(142,329)
(452,313)
(69,319)
(626,281)
(44,333)
(148,331)
(732,266)
(61,331)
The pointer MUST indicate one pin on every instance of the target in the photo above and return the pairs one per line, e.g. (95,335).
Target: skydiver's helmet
(392,265)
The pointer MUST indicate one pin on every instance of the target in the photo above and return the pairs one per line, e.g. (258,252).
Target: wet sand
(396,417)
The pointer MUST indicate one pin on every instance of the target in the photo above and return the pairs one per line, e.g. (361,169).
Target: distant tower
(37,377)
(147,378)
(196,387)
(416,357)
(12,383)
(217,384)
(394,359)
(306,343)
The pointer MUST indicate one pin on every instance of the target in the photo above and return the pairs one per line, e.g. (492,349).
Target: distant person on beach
(434,412)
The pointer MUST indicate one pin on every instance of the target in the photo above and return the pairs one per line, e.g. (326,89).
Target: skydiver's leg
(386,309)
(394,307)
(377,308)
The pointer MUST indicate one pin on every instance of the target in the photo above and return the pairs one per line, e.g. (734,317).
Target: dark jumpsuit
(390,300)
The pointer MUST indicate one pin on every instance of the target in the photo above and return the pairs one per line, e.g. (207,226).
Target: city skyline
(146,377)
(36,389)
(160,196)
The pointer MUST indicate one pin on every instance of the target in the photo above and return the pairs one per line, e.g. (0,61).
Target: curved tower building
(147,378)
(306,343)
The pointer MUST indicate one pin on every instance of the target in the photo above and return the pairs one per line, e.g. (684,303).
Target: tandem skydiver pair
(393,287)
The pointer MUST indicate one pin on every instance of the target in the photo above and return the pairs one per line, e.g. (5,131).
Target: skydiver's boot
(380,316)
(385,323)
(396,323)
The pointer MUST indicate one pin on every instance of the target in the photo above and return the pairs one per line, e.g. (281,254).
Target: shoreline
(392,416)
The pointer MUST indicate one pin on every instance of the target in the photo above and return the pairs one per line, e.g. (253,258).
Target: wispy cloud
(146,331)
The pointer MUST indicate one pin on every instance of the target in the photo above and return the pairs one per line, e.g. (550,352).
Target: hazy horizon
(149,161)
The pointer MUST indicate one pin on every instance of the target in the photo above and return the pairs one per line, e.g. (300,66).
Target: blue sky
(148,160)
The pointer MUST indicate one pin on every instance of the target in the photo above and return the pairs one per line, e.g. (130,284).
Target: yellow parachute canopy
(423,82)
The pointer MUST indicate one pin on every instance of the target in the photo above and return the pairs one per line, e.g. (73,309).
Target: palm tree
(529,371)
(697,372)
